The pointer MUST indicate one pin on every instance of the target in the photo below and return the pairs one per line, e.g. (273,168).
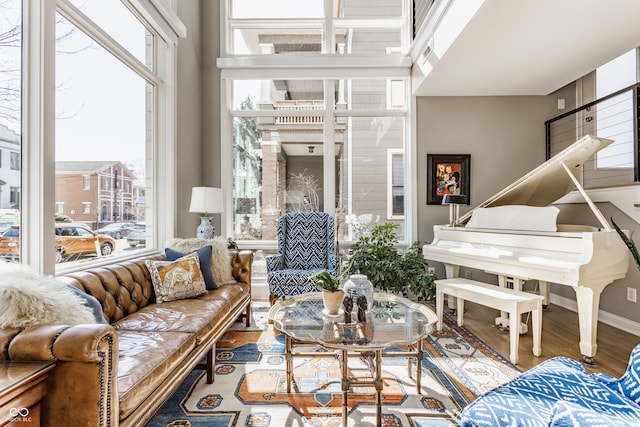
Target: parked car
(71,240)
(138,235)
(117,230)
(10,242)
(76,239)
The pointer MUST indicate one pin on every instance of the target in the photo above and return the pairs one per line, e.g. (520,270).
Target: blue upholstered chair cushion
(305,246)
(531,398)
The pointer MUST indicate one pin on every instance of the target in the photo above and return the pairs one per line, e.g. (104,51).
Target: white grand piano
(585,258)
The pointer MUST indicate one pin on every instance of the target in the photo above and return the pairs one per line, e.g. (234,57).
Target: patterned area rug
(250,385)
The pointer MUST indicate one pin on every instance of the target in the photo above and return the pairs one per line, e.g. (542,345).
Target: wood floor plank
(560,336)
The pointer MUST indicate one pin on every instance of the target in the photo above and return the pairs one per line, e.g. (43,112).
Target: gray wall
(198,108)
(503,135)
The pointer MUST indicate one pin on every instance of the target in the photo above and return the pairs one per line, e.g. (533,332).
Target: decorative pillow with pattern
(204,255)
(179,279)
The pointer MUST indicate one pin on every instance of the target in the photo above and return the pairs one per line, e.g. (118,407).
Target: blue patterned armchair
(305,246)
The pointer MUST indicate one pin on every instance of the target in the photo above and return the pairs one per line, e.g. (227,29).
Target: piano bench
(504,299)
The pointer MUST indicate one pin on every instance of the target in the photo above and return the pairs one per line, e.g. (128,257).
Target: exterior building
(279,155)
(10,165)
(96,193)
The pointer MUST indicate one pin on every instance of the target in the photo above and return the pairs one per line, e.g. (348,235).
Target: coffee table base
(374,361)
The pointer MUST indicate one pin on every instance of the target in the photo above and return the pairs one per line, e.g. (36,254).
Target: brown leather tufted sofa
(120,374)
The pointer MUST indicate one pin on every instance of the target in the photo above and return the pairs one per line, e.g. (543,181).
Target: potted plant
(377,257)
(332,292)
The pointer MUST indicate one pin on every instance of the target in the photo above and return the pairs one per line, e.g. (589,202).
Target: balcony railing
(298,106)
(614,117)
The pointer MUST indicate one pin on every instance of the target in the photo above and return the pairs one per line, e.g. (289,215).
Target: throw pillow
(179,279)
(28,298)
(220,258)
(204,255)
(91,302)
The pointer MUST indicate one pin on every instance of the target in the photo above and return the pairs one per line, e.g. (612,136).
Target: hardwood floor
(560,334)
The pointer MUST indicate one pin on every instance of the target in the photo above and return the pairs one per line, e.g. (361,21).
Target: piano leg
(544,291)
(515,283)
(588,299)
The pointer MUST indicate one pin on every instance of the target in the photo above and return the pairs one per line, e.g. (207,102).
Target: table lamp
(206,200)
(454,201)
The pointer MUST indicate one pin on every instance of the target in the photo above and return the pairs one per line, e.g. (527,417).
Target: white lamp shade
(206,200)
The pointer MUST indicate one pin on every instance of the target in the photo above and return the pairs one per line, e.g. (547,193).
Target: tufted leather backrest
(122,288)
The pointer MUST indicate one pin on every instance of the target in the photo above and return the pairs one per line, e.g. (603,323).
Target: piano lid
(549,181)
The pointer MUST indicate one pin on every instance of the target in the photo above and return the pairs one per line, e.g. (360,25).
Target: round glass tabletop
(392,320)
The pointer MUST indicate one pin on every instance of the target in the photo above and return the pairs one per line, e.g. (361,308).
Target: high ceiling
(519,47)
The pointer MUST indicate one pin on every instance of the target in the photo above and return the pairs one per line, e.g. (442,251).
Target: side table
(22,387)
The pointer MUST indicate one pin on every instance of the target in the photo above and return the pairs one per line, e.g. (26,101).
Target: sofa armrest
(81,343)
(241,265)
(85,375)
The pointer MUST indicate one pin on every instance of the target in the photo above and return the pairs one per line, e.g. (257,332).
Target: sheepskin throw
(220,258)
(28,298)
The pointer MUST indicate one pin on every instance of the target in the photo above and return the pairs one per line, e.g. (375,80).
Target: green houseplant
(388,269)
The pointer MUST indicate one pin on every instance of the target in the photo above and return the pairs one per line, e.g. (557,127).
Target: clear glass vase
(357,285)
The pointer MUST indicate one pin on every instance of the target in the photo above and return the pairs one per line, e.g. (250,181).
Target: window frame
(38,124)
(325,66)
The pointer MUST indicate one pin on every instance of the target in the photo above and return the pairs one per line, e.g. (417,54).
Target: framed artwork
(448,174)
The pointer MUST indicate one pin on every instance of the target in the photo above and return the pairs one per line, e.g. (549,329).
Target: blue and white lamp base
(205,230)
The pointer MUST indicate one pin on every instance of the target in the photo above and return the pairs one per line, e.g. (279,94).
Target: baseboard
(610,319)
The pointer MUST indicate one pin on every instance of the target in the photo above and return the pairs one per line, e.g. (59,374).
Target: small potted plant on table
(332,292)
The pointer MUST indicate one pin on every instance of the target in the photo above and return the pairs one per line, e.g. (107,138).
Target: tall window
(292,124)
(10,111)
(396,183)
(104,110)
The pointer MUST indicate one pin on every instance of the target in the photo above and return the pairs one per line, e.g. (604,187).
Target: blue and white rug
(250,384)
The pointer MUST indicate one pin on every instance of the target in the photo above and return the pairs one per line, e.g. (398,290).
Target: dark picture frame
(448,174)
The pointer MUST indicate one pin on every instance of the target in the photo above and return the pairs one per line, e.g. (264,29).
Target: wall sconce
(311,148)
(454,201)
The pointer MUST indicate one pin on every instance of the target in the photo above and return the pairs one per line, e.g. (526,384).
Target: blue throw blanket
(559,392)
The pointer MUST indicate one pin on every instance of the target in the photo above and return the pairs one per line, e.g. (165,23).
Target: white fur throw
(220,258)
(28,298)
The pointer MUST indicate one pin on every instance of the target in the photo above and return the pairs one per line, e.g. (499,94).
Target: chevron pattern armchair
(306,246)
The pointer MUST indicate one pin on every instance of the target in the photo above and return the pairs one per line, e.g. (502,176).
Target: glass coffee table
(392,321)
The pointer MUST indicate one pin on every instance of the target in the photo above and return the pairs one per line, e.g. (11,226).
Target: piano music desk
(512,301)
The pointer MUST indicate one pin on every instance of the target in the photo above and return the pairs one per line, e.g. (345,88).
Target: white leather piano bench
(511,301)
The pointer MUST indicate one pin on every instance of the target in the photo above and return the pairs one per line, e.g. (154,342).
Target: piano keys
(583,257)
